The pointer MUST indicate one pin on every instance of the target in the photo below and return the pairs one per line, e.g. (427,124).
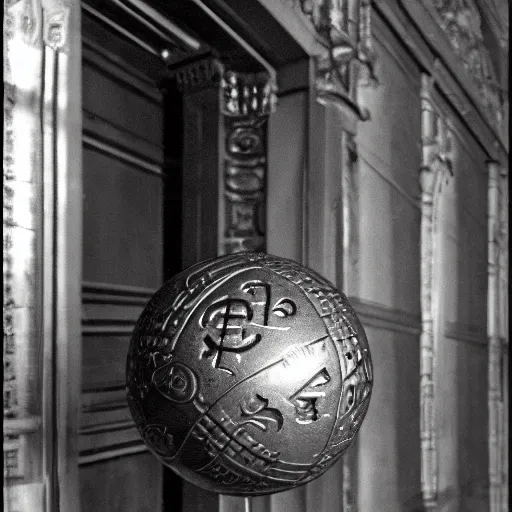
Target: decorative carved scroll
(461,21)
(345,25)
(248,99)
(435,171)
(497,311)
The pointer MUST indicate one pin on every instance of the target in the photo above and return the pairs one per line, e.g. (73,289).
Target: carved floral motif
(461,21)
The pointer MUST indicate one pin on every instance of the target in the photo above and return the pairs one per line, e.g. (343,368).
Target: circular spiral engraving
(248,374)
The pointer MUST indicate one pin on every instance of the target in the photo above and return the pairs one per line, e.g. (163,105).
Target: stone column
(436,169)
(497,313)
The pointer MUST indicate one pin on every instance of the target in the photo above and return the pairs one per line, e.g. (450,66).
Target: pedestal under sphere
(248,374)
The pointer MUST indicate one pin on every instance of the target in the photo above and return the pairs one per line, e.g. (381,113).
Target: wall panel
(119,200)
(388,291)
(461,360)
(123,187)
(472,414)
(471,192)
(389,161)
(389,243)
(389,452)
(287,160)
(103,493)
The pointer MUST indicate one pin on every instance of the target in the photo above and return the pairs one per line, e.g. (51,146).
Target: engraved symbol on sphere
(231,322)
(259,414)
(305,399)
(160,440)
(225,322)
(308,362)
(176,382)
(284,308)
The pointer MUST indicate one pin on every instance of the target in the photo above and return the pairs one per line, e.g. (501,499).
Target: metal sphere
(248,374)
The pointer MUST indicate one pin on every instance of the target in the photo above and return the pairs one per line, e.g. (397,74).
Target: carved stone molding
(243,94)
(245,101)
(246,104)
(349,60)
(247,94)
(22,144)
(30,26)
(460,19)
(9,393)
(244,185)
(21,36)
(497,331)
(435,171)
(200,74)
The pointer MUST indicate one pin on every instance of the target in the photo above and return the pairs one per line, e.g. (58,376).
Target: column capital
(248,94)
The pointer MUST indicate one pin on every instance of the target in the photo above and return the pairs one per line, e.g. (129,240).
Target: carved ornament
(200,74)
(248,94)
(461,22)
(247,101)
(345,26)
(243,94)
